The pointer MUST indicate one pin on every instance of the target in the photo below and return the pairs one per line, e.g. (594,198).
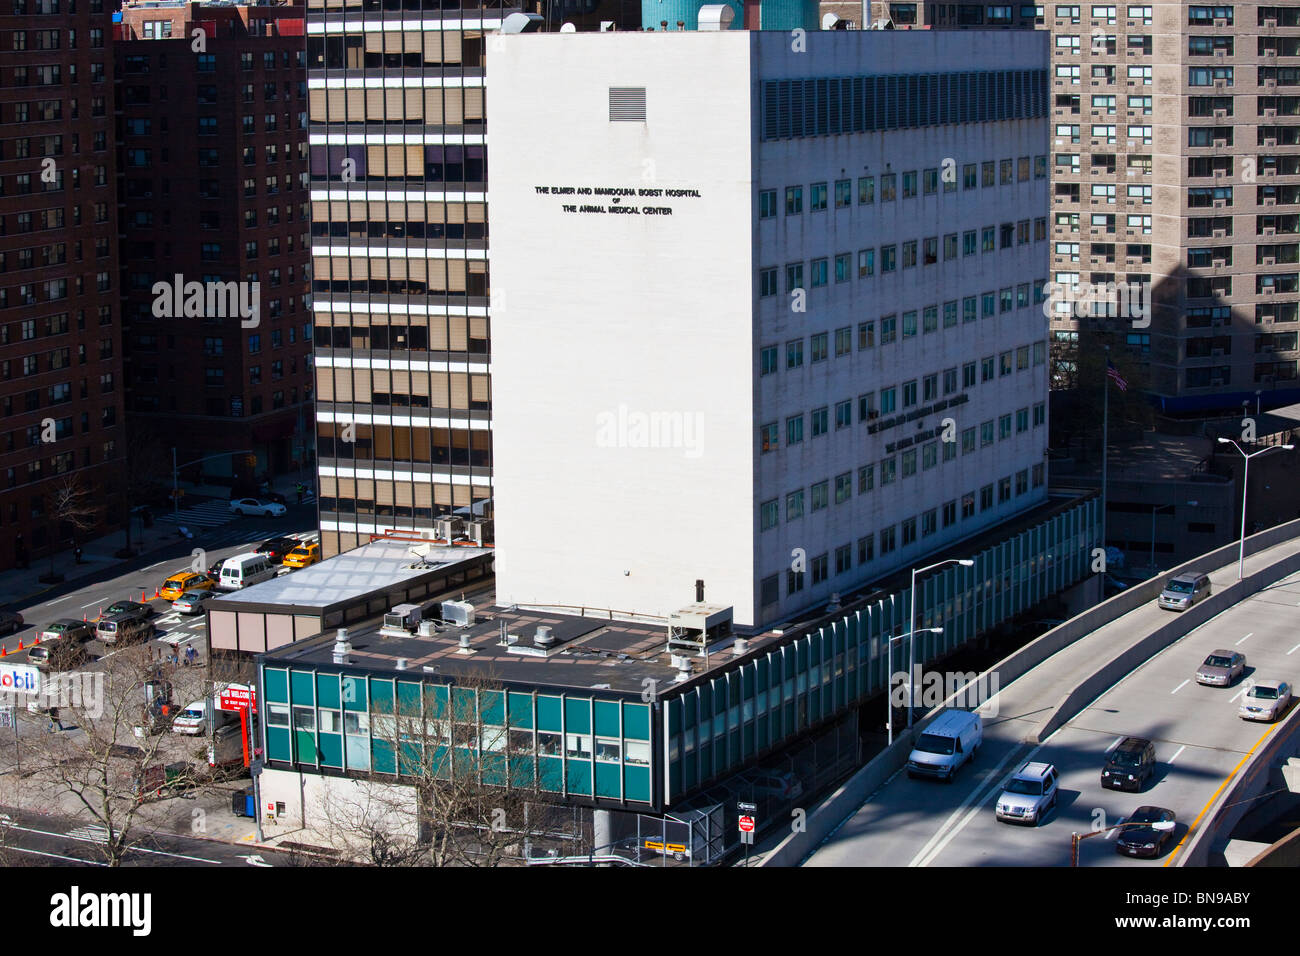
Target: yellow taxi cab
(179,583)
(303,555)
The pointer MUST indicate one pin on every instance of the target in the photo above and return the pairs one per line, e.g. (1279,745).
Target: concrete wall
(334,812)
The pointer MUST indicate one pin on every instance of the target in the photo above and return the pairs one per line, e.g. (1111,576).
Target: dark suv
(276,548)
(1130,765)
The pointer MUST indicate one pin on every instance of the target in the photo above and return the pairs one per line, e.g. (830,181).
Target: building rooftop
(373,568)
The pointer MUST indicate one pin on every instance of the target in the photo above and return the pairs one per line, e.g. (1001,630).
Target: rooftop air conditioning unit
(449,527)
(458,613)
(479,530)
(401,620)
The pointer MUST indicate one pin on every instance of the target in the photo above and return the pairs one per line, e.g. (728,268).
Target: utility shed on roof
(344,589)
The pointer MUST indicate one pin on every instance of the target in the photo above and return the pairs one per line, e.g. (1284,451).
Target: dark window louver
(627,104)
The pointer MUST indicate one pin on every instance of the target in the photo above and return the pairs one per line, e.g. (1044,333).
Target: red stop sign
(746,824)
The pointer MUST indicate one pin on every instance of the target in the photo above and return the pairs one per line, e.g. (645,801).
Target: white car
(251,506)
(1265,700)
(1029,795)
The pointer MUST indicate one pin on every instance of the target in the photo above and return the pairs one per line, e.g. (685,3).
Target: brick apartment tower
(1177,158)
(214,188)
(60,347)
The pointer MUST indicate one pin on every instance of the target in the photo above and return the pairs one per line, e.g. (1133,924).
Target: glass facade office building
(615,749)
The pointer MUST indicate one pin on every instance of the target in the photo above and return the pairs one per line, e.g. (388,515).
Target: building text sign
(617,200)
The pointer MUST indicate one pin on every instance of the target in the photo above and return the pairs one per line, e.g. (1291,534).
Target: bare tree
(114,756)
(466,793)
(70,505)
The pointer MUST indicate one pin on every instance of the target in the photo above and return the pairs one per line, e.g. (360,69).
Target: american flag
(1113,372)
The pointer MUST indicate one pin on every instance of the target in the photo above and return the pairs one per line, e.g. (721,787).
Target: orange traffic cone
(20,644)
(4,651)
(35,641)
(142,597)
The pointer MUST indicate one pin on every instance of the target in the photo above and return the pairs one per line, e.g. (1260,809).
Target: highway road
(1200,742)
(76,599)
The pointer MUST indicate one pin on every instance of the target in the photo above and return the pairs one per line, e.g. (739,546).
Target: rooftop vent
(543,637)
(464,647)
(458,613)
(342,646)
(401,664)
(740,647)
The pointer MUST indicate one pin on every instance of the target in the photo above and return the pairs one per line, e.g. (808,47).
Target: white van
(193,720)
(949,741)
(244,569)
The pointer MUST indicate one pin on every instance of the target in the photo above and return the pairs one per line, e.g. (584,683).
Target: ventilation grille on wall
(627,104)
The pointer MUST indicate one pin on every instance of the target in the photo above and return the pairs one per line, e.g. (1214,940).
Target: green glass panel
(354,693)
(277,685)
(577,716)
(607,780)
(305,746)
(300,687)
(381,695)
(521,710)
(579,776)
(550,771)
(606,712)
(384,759)
(277,744)
(493,703)
(327,691)
(464,704)
(408,699)
(636,719)
(440,762)
(494,769)
(331,750)
(409,756)
(549,714)
(435,700)
(680,775)
(636,780)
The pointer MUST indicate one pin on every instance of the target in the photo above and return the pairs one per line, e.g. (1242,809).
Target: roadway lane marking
(936,844)
(56,856)
(1226,780)
(1181,686)
(1115,743)
(79,834)
(1244,639)
(59,601)
(1176,753)
(91,604)
(1238,694)
(1293,650)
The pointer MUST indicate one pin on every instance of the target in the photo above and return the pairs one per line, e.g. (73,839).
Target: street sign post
(748,823)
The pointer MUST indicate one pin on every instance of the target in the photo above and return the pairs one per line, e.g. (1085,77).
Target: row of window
(885,541)
(206,63)
(55,360)
(59,394)
(925,183)
(33,436)
(206,95)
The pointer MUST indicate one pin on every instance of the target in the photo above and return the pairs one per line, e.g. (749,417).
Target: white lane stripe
(1176,753)
(1115,743)
(1238,694)
(938,841)
(100,838)
(56,856)
(1243,640)
(92,604)
(1181,686)
(59,601)
(1293,650)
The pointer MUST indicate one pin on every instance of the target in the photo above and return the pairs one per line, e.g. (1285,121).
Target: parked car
(1130,765)
(1029,795)
(1221,668)
(305,554)
(10,621)
(141,612)
(1149,839)
(191,602)
(254,506)
(1265,700)
(183,581)
(123,629)
(276,548)
(214,571)
(1184,590)
(58,655)
(949,741)
(68,627)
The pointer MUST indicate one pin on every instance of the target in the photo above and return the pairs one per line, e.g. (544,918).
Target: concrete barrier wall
(836,808)
(1285,852)
(1180,624)
(1234,801)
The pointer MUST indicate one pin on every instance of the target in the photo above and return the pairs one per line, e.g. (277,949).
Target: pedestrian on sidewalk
(191,656)
(54,719)
(77,553)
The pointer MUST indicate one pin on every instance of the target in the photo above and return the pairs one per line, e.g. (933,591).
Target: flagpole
(1105,441)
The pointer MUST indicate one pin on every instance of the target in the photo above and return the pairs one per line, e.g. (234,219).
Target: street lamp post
(889,680)
(1076,837)
(911,627)
(1245,487)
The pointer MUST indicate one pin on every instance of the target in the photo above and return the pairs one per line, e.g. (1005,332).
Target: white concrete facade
(632,356)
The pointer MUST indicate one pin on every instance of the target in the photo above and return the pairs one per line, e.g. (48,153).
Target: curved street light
(1245,487)
(911,625)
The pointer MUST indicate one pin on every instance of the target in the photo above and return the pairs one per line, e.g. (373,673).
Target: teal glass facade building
(651,752)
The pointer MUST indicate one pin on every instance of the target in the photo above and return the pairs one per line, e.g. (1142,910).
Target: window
(888,187)
(794,430)
(866,190)
(768,436)
(794,353)
(769,515)
(843,487)
(793,200)
(818,197)
(794,505)
(818,344)
(843,193)
(820,495)
(794,276)
(767,282)
(767,204)
(820,417)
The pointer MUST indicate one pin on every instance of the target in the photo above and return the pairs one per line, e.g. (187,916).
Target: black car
(1130,765)
(214,572)
(141,612)
(10,621)
(276,548)
(1149,839)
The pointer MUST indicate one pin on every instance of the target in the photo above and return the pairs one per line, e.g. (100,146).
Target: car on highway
(67,627)
(58,655)
(191,602)
(276,548)
(1130,765)
(141,612)
(254,506)
(949,741)
(1149,839)
(183,581)
(10,621)
(1221,668)
(304,554)
(1184,590)
(1265,700)
(1029,795)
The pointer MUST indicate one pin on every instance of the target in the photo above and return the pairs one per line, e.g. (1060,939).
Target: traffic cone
(4,651)
(142,597)
(20,643)
(36,640)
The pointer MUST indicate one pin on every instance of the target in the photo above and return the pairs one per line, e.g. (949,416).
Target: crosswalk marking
(210,514)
